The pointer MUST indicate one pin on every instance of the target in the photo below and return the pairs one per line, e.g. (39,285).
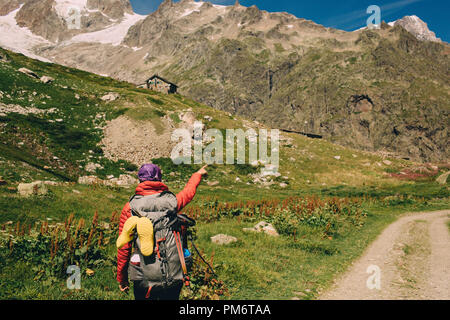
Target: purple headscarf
(149,172)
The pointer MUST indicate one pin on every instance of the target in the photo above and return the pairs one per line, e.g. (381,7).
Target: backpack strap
(181,255)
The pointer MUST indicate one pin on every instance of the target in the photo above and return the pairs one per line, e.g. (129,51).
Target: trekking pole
(198,252)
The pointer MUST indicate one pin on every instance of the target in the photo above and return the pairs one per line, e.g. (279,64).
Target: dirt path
(411,257)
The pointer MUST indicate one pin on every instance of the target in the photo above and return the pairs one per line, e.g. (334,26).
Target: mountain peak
(417,27)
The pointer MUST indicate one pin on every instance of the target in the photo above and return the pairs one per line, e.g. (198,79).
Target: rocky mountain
(378,90)
(30,23)
(417,27)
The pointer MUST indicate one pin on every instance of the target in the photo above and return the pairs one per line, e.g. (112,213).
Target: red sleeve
(123,254)
(188,193)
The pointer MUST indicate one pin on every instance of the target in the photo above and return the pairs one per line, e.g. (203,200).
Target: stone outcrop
(417,27)
(123,180)
(263,227)
(442,179)
(36,188)
(223,239)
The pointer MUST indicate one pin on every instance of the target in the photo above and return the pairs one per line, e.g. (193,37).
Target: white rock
(51,183)
(90,167)
(442,179)
(28,72)
(265,227)
(223,239)
(111,96)
(47,79)
(89,180)
(34,188)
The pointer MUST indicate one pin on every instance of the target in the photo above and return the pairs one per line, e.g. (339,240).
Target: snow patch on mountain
(114,34)
(195,6)
(414,25)
(19,39)
(64,7)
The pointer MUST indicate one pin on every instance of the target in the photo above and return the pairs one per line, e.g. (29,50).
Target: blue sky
(346,15)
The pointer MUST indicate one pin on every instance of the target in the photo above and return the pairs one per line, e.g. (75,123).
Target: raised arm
(189,191)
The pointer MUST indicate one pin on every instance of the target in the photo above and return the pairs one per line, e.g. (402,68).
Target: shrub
(285,221)
(52,248)
(47,250)
(204,285)
(331,215)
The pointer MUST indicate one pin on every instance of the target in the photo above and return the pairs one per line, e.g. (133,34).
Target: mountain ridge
(363,89)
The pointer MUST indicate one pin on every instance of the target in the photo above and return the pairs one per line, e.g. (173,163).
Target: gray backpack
(166,267)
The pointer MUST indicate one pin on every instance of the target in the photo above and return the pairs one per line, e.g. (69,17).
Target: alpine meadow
(333,149)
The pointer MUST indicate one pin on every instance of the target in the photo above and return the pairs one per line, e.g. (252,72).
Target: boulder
(265,227)
(213,183)
(30,189)
(92,167)
(51,183)
(47,79)
(3,57)
(442,179)
(387,162)
(111,96)
(223,239)
(270,170)
(188,118)
(124,180)
(89,180)
(29,73)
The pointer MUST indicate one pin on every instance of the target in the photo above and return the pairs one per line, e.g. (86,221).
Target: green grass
(257,267)
(275,268)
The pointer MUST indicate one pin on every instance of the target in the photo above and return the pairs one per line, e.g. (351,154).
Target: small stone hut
(160,84)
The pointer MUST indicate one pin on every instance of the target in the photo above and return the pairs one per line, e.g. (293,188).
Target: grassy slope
(277,267)
(280,268)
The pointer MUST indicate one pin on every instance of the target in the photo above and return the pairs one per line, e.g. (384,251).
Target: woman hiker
(151,196)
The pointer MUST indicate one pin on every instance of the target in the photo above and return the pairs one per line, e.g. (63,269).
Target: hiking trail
(413,257)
